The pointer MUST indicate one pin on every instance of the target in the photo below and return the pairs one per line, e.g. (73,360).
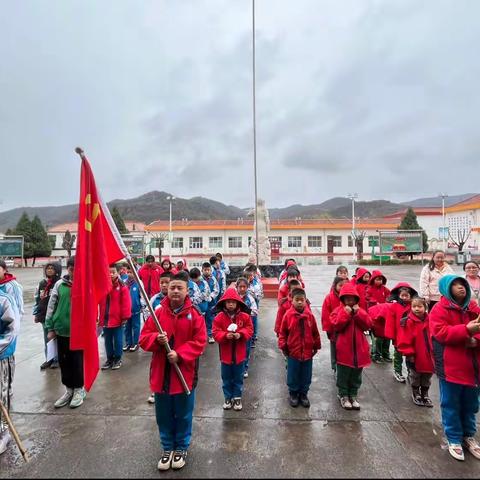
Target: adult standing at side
(472,275)
(436,268)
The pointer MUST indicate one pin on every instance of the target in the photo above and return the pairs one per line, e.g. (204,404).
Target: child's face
(242,288)
(349,300)
(366,277)
(130,273)
(70,271)
(2,273)
(166,265)
(343,272)
(150,263)
(50,271)
(339,285)
(207,271)
(418,308)
(298,302)
(405,296)
(230,305)
(292,277)
(378,282)
(458,290)
(179,265)
(177,292)
(164,281)
(250,277)
(113,274)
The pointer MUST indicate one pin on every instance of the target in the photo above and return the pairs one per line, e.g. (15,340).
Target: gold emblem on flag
(93,211)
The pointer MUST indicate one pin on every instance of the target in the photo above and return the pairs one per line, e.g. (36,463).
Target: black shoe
(427,402)
(108,364)
(46,365)
(134,348)
(416,397)
(54,364)
(293,400)
(304,401)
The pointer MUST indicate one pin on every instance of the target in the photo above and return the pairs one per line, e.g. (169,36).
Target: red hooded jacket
(413,341)
(150,278)
(454,362)
(379,314)
(116,308)
(232,352)
(396,311)
(361,287)
(376,294)
(352,346)
(187,335)
(331,302)
(299,336)
(282,310)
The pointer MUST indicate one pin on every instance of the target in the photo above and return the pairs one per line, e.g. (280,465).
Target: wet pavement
(114,433)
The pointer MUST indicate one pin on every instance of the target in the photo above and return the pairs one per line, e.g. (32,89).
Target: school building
(463,221)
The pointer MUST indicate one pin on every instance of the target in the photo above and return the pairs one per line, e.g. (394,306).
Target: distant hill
(155,206)
(437,201)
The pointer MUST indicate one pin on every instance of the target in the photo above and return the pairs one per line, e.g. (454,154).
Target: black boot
(304,401)
(417,397)
(293,399)
(426,399)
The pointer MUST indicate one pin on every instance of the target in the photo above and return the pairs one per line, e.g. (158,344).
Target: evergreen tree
(41,243)
(24,227)
(117,218)
(410,222)
(9,232)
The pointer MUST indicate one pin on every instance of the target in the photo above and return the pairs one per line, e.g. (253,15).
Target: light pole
(254,112)
(170,236)
(352,197)
(443,195)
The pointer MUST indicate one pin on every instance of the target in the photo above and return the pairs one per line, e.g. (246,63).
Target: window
(234,242)
(250,241)
(177,242)
(275,240)
(196,242)
(314,241)
(215,242)
(350,241)
(294,242)
(373,241)
(335,239)
(158,243)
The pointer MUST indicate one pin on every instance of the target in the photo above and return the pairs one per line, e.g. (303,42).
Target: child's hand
(172,356)
(230,335)
(356,308)
(473,326)
(471,343)
(51,335)
(162,338)
(348,309)
(237,336)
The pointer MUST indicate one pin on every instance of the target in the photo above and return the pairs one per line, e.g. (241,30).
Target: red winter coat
(299,336)
(376,294)
(454,362)
(187,336)
(232,352)
(379,313)
(151,279)
(282,310)
(361,287)
(116,308)
(413,341)
(331,302)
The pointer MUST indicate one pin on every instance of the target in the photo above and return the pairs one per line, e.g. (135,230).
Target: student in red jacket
(168,266)
(401,298)
(413,342)
(299,340)
(186,334)
(150,276)
(285,305)
(376,291)
(283,290)
(380,343)
(331,302)
(349,323)
(360,282)
(232,328)
(455,332)
(115,310)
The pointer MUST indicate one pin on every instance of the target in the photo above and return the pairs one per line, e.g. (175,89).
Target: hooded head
(335,283)
(232,294)
(359,275)
(396,290)
(57,267)
(445,285)
(377,274)
(181,264)
(349,290)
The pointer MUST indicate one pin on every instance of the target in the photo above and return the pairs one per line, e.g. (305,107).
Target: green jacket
(58,310)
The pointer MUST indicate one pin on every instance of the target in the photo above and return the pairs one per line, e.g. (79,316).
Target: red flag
(99,244)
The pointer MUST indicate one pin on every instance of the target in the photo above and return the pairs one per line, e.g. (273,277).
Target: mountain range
(155,206)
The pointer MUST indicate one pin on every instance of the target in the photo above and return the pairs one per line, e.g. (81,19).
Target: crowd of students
(196,306)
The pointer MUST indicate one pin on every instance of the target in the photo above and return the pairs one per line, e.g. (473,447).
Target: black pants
(71,363)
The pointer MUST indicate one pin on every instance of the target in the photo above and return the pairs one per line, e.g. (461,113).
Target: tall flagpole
(254,132)
(167,347)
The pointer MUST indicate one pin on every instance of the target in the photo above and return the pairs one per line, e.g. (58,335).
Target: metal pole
(157,323)
(254,131)
(170,237)
(443,218)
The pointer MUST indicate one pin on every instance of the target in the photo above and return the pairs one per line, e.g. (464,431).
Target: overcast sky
(377,97)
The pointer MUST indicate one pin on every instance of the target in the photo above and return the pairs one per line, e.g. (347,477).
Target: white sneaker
(345,403)
(79,395)
(179,459)
(227,405)
(355,403)
(237,404)
(64,399)
(456,451)
(4,439)
(151,398)
(211,340)
(398,377)
(166,461)
(472,446)
(245,374)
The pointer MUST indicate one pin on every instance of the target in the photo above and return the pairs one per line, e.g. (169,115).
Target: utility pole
(352,197)
(170,237)
(443,195)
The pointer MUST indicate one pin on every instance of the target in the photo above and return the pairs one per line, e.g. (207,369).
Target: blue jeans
(299,375)
(459,405)
(174,419)
(209,316)
(113,342)
(132,330)
(232,378)
(255,326)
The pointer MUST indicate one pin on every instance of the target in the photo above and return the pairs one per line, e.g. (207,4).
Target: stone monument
(263,229)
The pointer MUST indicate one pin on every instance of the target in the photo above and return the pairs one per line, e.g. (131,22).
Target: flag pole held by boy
(99,244)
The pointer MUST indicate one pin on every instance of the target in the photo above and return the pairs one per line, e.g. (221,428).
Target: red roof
(63,227)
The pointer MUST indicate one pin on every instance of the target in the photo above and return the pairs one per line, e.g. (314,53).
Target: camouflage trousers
(7,370)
